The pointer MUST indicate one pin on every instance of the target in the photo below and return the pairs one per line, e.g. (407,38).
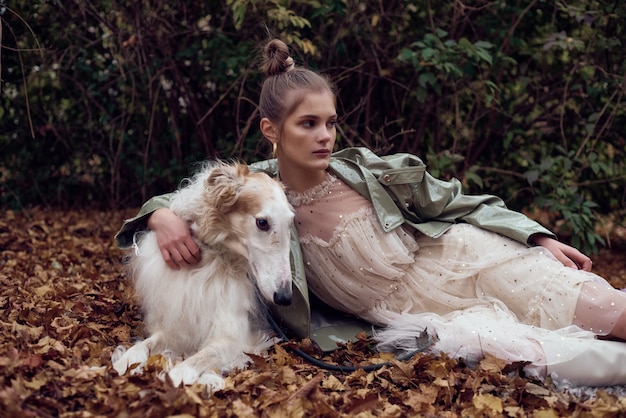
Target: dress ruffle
(313,194)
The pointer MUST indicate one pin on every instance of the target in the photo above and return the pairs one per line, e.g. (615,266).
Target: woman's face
(308,134)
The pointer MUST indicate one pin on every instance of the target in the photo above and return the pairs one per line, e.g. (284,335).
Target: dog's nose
(283,297)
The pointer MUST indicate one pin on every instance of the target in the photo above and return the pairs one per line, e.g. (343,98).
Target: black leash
(334,367)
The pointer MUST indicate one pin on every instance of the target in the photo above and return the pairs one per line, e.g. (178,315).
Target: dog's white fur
(211,313)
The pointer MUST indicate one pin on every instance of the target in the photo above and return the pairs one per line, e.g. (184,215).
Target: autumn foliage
(66,304)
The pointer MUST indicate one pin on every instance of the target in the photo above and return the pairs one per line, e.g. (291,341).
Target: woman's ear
(269,131)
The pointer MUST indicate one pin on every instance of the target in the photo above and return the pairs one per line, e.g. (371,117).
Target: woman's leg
(469,266)
(601,309)
(568,354)
(543,292)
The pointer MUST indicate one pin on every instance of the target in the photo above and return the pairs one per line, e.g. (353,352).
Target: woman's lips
(322,152)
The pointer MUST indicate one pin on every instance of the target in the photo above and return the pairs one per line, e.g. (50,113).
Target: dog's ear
(224,184)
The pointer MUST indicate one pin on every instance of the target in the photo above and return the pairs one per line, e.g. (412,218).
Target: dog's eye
(262,224)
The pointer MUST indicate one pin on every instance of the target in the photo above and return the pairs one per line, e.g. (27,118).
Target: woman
(381,239)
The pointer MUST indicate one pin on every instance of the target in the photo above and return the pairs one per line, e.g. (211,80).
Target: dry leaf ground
(65,305)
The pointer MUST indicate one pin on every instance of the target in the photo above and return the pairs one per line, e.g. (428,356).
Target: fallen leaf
(487,402)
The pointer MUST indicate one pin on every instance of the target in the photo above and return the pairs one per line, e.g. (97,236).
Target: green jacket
(402,193)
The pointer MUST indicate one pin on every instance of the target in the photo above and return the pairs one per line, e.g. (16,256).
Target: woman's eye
(307,124)
(262,224)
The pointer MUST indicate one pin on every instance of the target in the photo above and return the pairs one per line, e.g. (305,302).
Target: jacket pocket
(403,175)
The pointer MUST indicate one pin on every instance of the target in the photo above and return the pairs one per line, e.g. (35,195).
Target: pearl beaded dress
(478,291)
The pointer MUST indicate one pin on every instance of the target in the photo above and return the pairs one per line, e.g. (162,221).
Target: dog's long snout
(283,296)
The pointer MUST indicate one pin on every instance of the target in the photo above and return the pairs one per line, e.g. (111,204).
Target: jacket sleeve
(125,236)
(445,202)
(431,205)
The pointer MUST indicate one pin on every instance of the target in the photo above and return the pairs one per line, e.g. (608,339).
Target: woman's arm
(177,246)
(173,234)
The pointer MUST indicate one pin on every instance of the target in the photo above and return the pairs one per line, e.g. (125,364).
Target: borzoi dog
(211,313)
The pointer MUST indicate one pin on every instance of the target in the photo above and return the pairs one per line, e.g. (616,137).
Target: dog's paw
(213,381)
(187,375)
(120,366)
(117,353)
(137,354)
(183,373)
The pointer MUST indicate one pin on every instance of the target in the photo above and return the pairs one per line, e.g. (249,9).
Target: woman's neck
(300,180)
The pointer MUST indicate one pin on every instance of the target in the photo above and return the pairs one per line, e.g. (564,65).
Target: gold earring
(274,148)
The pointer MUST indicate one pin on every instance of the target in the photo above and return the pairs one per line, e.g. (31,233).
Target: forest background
(104,103)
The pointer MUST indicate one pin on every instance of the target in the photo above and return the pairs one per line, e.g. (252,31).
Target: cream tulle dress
(478,291)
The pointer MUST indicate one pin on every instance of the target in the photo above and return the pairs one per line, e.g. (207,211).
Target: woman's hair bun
(276,58)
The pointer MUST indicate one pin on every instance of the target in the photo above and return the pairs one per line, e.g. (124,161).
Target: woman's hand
(567,255)
(174,239)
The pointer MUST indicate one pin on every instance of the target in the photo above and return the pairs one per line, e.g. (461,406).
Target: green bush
(109,102)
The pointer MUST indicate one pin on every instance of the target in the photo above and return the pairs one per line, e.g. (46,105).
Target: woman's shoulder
(269,167)
(372,161)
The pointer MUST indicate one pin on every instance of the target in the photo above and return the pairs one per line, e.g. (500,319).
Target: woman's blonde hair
(285,84)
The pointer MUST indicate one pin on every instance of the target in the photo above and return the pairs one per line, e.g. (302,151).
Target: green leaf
(406,54)
(473,177)
(426,78)
(427,53)
(421,94)
(483,45)
(465,44)
(441,33)
(485,55)
(531,176)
